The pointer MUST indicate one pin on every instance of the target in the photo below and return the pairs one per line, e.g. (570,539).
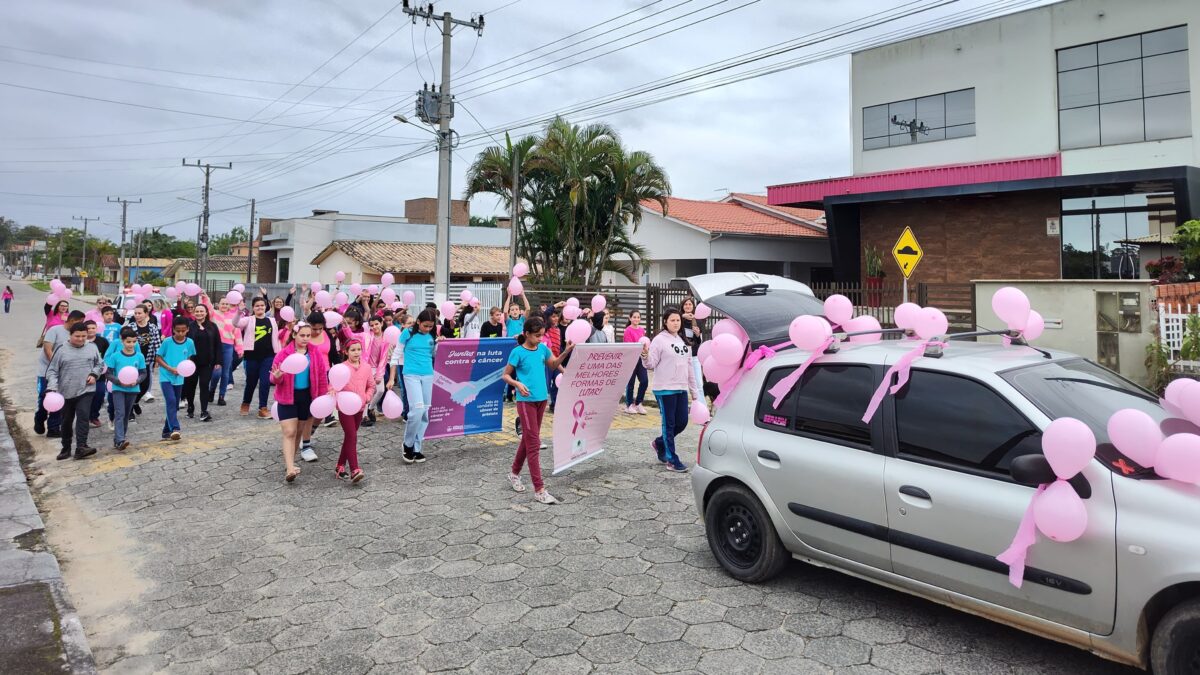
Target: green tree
(157,244)
(222,244)
(479,221)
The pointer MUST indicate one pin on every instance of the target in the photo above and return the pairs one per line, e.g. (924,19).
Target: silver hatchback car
(923,497)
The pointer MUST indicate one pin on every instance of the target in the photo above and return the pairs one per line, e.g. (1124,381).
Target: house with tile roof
(230,268)
(410,263)
(740,233)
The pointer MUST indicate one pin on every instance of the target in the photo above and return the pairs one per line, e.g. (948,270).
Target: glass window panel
(932,135)
(1120,81)
(1079,128)
(932,111)
(1166,74)
(1168,117)
(960,131)
(1162,41)
(831,402)
(1076,203)
(1078,253)
(960,107)
(875,143)
(1076,57)
(1115,262)
(1078,88)
(901,111)
(875,121)
(899,139)
(1121,123)
(1121,49)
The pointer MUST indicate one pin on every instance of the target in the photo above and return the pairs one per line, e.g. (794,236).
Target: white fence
(1172,329)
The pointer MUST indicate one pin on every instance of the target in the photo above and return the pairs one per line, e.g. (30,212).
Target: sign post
(908,254)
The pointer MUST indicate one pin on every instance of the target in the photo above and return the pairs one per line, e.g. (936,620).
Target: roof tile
(733,218)
(404,257)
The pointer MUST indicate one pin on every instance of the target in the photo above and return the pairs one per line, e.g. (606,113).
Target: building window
(919,120)
(1116,236)
(1127,90)
(285,265)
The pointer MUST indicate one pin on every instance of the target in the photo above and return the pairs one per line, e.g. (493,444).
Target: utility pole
(202,253)
(250,246)
(445,110)
(138,265)
(121,256)
(83,257)
(58,270)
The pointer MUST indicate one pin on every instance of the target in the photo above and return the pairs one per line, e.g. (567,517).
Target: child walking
(73,371)
(396,368)
(526,372)
(376,356)
(418,343)
(123,396)
(173,352)
(670,357)
(294,393)
(361,384)
(634,333)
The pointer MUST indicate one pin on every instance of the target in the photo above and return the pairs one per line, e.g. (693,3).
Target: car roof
(957,356)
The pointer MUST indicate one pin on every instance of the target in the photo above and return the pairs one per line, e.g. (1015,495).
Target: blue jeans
(98,399)
(258,373)
(171,394)
(122,404)
(53,420)
(674,409)
(639,375)
(419,389)
(222,372)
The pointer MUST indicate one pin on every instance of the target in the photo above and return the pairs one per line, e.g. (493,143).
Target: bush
(1167,270)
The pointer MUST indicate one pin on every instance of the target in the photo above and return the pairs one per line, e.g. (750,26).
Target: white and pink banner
(591,389)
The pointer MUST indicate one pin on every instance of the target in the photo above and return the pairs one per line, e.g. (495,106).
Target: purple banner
(468,394)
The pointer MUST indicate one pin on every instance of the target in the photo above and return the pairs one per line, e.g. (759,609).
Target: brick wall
(1000,237)
(424,210)
(1178,294)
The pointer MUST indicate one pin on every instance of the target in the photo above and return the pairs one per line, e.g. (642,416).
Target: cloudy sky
(106,98)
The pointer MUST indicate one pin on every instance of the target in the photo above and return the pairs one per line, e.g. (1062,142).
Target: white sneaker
(111,427)
(308,454)
(515,481)
(641,410)
(149,396)
(543,446)
(630,410)
(545,497)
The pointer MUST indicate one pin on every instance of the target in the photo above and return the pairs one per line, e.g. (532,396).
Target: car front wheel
(741,535)
(1175,647)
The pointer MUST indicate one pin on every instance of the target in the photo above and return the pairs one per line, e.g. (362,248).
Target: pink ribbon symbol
(1014,556)
(577,413)
(781,388)
(900,370)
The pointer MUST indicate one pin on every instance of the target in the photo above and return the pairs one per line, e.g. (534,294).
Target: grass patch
(43,286)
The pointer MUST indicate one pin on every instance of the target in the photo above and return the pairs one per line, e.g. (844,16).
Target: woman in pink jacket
(361,384)
(670,357)
(294,393)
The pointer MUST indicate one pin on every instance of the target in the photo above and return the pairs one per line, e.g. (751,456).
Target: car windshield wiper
(1104,385)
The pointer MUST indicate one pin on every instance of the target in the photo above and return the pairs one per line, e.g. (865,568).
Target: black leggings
(198,380)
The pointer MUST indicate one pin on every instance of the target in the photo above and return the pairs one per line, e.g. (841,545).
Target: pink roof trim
(914,179)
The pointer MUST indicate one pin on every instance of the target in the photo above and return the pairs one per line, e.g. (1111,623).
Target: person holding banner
(418,343)
(526,372)
(670,357)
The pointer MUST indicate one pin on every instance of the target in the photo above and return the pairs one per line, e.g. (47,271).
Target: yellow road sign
(907,252)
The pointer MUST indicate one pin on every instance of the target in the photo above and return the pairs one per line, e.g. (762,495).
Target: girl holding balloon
(669,356)
(693,334)
(172,369)
(126,370)
(361,386)
(300,376)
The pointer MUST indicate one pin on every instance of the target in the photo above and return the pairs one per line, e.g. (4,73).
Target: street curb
(26,561)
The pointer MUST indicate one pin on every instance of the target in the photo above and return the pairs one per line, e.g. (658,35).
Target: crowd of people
(193,349)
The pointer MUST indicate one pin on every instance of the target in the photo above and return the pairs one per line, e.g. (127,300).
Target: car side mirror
(1034,470)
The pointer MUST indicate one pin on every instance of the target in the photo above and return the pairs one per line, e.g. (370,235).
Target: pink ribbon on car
(752,359)
(1014,556)
(900,369)
(784,386)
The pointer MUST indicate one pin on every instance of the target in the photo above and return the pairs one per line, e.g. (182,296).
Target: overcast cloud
(787,126)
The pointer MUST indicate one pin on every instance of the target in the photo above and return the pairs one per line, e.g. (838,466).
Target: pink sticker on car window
(775,420)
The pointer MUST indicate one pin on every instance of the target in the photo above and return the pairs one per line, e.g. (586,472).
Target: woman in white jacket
(670,357)
(260,343)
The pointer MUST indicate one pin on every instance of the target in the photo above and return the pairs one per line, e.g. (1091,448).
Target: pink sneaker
(641,410)
(630,410)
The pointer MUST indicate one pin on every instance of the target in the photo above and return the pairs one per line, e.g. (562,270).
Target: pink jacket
(318,376)
(248,333)
(362,380)
(671,360)
(376,354)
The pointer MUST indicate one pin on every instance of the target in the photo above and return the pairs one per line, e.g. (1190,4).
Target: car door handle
(914,491)
(768,455)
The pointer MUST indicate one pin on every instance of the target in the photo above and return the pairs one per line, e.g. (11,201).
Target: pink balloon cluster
(927,322)
(1069,446)
(1012,306)
(721,356)
(1139,438)
(58,291)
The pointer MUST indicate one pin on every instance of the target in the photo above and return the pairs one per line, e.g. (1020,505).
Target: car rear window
(766,317)
(827,404)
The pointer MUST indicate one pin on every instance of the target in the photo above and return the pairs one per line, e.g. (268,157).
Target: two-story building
(1050,143)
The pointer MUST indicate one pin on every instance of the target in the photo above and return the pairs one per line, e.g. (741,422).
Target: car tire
(742,537)
(1175,647)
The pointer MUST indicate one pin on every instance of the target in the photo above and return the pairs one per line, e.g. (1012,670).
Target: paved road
(195,557)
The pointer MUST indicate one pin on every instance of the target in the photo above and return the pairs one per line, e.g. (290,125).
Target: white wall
(1011,64)
(331,265)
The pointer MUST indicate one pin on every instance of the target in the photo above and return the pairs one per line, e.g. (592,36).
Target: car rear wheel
(1175,647)
(741,535)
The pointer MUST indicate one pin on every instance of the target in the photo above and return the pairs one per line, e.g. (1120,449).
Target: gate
(957,301)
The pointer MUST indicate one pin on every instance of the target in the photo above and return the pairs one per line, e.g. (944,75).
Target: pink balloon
(1175,389)
(931,323)
(1011,305)
(66,293)
(702,353)
(515,287)
(53,401)
(727,350)
(1034,327)
(558,380)
(699,413)
(408,297)
(192,289)
(395,306)
(243,322)
(571,312)
(1059,512)
(129,303)
(392,406)
(373,289)
(179,285)
(170,293)
(807,332)
(339,376)
(572,302)
(1069,446)
(355,289)
(475,303)
(240,288)
(341,299)
(703,311)
(387,279)
(127,376)
(186,368)
(448,310)
(863,323)
(340,276)
(95,315)
(388,296)
(57,284)
(52,299)
(332,319)
(322,406)
(598,304)
(1189,403)
(466,296)
(294,364)
(906,315)
(838,309)
(732,327)
(1136,435)
(520,269)
(349,402)
(578,331)
(233,297)
(645,341)
(324,299)
(275,411)
(109,385)
(315,286)
(718,372)
(391,335)
(287,314)
(1179,458)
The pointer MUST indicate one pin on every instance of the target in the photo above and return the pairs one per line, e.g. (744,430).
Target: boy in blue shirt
(170,354)
(124,352)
